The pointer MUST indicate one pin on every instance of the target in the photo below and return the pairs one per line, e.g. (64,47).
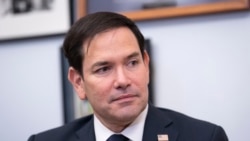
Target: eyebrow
(103,63)
(100,63)
(135,54)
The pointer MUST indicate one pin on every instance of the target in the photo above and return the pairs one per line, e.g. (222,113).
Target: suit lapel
(158,123)
(86,133)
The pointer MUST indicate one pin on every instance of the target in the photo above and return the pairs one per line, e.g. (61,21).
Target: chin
(129,113)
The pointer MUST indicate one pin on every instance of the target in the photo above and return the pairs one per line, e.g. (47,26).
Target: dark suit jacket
(177,126)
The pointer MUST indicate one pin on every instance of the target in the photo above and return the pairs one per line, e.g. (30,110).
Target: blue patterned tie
(117,137)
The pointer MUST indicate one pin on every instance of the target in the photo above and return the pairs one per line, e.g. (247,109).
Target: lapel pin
(162,137)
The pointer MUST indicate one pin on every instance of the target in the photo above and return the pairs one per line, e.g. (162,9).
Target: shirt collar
(102,132)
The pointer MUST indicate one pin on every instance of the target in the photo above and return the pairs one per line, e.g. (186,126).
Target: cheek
(141,78)
(97,91)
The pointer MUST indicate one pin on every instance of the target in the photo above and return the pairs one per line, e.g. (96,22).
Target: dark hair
(87,27)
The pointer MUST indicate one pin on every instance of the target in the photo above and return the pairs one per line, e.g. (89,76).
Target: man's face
(115,77)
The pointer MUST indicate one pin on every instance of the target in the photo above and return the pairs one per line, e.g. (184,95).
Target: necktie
(117,137)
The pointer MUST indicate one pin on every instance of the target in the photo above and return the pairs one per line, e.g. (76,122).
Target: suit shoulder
(186,121)
(193,127)
(65,132)
(180,116)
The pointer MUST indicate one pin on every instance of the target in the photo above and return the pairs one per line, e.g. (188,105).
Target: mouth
(125,98)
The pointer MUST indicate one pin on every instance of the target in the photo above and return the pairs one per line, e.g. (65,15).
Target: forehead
(111,40)
(111,46)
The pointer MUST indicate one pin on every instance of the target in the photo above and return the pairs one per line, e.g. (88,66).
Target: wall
(201,65)
(30,87)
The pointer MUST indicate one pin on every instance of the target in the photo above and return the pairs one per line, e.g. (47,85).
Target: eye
(102,70)
(133,63)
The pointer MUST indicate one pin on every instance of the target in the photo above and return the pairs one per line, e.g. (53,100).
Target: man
(110,68)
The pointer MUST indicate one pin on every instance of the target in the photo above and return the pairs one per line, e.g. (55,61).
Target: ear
(146,62)
(77,81)
(146,59)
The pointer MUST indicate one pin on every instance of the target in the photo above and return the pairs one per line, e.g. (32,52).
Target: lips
(124,97)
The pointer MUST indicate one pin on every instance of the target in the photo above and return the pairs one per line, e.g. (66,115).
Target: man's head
(109,67)
(87,27)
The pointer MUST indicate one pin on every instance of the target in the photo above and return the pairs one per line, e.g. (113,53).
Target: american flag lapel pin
(162,137)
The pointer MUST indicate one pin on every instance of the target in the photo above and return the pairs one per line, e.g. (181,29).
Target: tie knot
(117,137)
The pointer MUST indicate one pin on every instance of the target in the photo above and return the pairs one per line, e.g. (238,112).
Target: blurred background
(201,68)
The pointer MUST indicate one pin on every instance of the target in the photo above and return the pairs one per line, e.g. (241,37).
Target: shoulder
(188,126)
(65,132)
(184,120)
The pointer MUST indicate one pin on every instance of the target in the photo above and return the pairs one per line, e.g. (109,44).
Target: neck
(116,127)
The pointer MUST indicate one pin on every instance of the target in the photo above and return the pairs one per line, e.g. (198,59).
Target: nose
(122,80)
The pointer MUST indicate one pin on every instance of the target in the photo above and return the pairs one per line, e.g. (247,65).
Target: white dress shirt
(134,131)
